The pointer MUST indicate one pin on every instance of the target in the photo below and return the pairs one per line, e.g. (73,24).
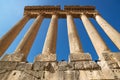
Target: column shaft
(109,30)
(27,41)
(9,37)
(50,41)
(74,41)
(97,41)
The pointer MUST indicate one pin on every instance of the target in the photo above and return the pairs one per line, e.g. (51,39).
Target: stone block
(14,75)
(24,66)
(9,65)
(51,67)
(46,57)
(79,65)
(106,56)
(113,64)
(80,57)
(86,65)
(37,74)
(92,75)
(83,75)
(63,66)
(117,73)
(45,66)
(4,76)
(51,76)
(26,76)
(39,65)
(116,57)
(94,65)
(3,71)
(71,75)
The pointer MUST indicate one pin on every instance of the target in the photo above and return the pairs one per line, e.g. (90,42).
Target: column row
(50,41)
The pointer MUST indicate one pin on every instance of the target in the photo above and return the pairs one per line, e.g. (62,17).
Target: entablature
(75,11)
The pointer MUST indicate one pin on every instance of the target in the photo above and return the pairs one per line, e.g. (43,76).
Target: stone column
(9,37)
(50,41)
(97,41)
(109,30)
(25,44)
(49,49)
(76,52)
(74,41)
(27,41)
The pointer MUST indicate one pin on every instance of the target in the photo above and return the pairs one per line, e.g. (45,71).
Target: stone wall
(53,70)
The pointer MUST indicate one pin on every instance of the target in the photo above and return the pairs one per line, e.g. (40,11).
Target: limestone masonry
(45,65)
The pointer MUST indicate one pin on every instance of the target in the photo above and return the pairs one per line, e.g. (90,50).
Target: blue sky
(12,11)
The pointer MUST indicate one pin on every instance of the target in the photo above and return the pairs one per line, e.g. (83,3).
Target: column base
(83,62)
(13,57)
(111,59)
(116,57)
(46,57)
(110,64)
(80,57)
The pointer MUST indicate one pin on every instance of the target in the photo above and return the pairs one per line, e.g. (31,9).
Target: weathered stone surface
(80,57)
(24,66)
(107,71)
(14,75)
(46,57)
(113,65)
(71,75)
(117,73)
(111,60)
(4,76)
(8,65)
(47,66)
(51,75)
(51,67)
(12,57)
(95,75)
(79,70)
(39,65)
(62,66)
(25,76)
(86,65)
(3,71)
(37,74)
(116,57)
(106,56)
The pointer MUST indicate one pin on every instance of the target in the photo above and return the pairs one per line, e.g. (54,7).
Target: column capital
(26,15)
(94,14)
(68,13)
(83,13)
(55,13)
